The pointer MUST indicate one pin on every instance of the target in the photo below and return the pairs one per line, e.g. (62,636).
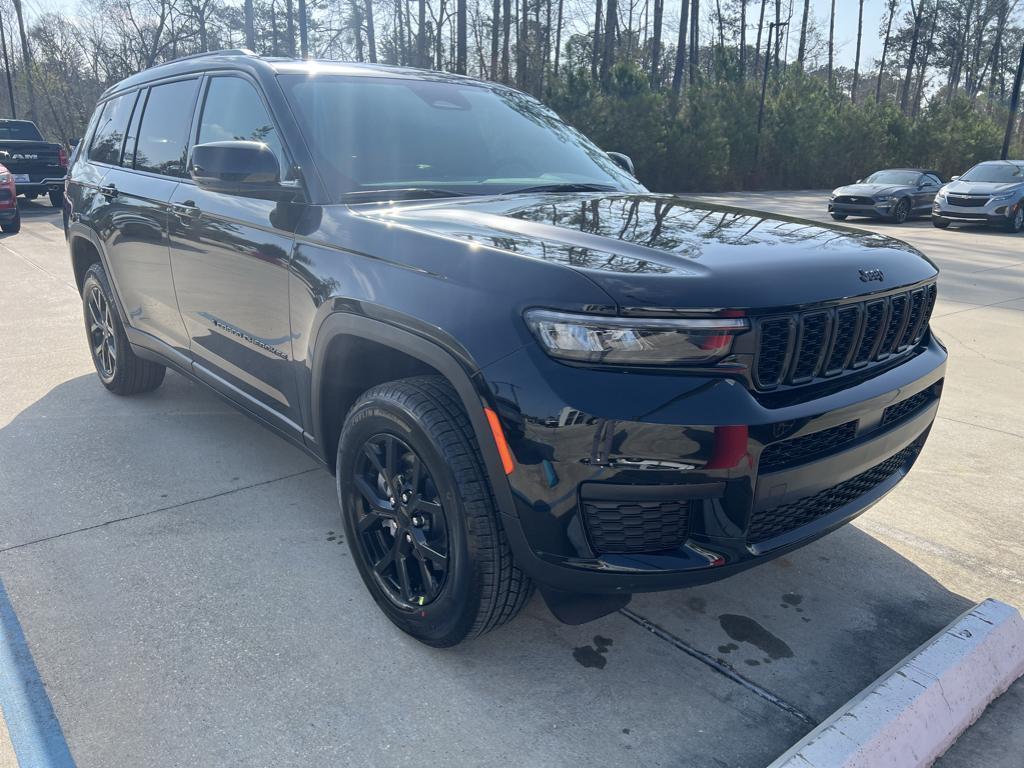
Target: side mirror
(623,161)
(859,181)
(244,168)
(953,178)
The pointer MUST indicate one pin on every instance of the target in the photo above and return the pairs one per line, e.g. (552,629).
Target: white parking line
(914,712)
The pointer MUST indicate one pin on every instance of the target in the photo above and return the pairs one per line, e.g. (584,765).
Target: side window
(113,124)
(128,159)
(932,179)
(234,111)
(163,133)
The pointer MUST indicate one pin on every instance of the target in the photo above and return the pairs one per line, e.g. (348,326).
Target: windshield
(377,133)
(903,178)
(999,173)
(19,130)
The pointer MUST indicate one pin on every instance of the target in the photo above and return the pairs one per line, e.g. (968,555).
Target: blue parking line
(33,727)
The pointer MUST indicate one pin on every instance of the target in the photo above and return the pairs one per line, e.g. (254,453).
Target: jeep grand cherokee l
(523,368)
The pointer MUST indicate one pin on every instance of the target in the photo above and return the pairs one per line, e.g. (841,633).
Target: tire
(901,212)
(117,366)
(14,226)
(1016,224)
(839,216)
(480,587)
(940,223)
(31,195)
(57,198)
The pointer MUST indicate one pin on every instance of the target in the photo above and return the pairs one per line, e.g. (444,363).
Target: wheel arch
(353,353)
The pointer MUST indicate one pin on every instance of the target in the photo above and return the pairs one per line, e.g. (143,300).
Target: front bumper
(997,213)
(875,211)
(597,451)
(40,186)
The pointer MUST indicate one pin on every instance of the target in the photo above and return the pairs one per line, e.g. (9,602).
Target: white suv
(990,193)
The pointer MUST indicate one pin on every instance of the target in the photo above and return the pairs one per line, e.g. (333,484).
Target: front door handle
(186,211)
(109,191)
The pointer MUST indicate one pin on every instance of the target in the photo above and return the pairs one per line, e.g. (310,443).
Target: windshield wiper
(405,193)
(567,187)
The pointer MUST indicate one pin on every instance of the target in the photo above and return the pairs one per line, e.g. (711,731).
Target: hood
(659,252)
(871,190)
(981,187)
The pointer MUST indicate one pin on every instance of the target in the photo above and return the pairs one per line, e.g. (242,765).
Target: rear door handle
(109,191)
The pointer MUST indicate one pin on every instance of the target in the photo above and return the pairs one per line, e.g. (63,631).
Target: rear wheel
(839,216)
(57,198)
(12,227)
(419,516)
(117,366)
(1016,223)
(940,223)
(901,212)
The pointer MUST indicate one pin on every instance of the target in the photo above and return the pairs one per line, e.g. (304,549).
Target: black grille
(968,201)
(798,348)
(624,527)
(799,449)
(786,517)
(905,408)
(854,200)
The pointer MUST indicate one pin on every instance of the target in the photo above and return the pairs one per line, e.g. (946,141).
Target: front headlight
(634,341)
(1003,198)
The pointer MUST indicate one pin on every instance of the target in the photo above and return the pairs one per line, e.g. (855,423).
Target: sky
(846,22)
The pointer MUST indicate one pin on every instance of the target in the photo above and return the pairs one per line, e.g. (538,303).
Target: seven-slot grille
(803,346)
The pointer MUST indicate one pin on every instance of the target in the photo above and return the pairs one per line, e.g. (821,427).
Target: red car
(10,216)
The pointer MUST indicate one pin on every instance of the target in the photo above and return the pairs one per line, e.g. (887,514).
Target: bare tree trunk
(893,5)
(7,68)
(26,54)
(918,13)
(760,33)
(303,29)
(371,36)
(1014,104)
(610,23)
(421,35)
(273,29)
(831,43)
(801,52)
(558,34)
(495,37)
(856,59)
(595,48)
(743,40)
(922,67)
(659,8)
(460,35)
(679,71)
(289,11)
(778,36)
(695,41)
(250,29)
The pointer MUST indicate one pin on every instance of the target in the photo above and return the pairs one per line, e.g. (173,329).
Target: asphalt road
(180,578)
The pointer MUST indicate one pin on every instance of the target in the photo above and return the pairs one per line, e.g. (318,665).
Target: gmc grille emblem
(867,275)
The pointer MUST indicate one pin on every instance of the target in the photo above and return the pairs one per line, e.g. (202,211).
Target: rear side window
(234,111)
(113,124)
(163,134)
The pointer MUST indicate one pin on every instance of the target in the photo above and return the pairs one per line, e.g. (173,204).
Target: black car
(895,195)
(38,166)
(523,367)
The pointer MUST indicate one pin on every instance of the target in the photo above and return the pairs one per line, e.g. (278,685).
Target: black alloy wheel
(901,212)
(401,525)
(102,334)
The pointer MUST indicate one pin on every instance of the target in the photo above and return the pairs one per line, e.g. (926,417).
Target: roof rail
(222,52)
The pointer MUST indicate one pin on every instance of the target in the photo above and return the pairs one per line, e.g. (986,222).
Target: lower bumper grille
(799,449)
(621,527)
(786,517)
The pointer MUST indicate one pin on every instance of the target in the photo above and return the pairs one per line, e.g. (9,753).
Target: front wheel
(419,516)
(901,212)
(839,216)
(1016,224)
(939,223)
(117,366)
(12,227)
(57,198)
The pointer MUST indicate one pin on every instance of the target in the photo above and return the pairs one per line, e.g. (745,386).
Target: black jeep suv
(522,366)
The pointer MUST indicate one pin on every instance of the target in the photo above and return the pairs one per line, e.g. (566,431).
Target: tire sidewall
(96,277)
(1017,222)
(904,207)
(446,619)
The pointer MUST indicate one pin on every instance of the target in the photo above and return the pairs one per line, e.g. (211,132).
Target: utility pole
(7,67)
(1014,104)
(772,27)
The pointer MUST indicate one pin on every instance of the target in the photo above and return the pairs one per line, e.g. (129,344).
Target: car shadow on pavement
(184,586)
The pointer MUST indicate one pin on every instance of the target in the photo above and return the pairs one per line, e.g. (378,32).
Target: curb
(914,712)
(34,731)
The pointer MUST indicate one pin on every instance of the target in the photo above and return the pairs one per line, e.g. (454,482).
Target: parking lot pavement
(187,598)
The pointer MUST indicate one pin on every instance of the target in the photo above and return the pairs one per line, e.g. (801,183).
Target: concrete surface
(177,573)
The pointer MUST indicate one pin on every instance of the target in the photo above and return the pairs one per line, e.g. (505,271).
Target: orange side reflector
(499,439)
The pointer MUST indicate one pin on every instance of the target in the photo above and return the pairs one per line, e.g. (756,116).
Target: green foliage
(812,136)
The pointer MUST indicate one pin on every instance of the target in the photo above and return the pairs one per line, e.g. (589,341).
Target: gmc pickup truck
(38,166)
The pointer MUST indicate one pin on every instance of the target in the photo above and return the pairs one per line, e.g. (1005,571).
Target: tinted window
(998,173)
(904,178)
(164,131)
(128,158)
(109,136)
(234,111)
(19,130)
(931,178)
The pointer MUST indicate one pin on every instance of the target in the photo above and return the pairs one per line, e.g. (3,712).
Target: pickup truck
(38,166)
